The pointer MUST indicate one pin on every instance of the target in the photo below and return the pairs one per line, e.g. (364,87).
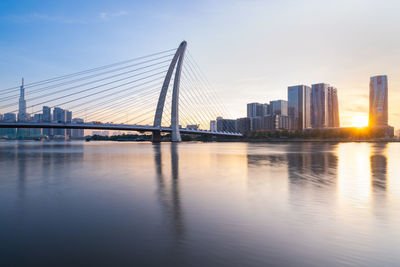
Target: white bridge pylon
(176,61)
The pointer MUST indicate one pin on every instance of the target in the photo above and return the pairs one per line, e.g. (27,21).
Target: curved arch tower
(177,61)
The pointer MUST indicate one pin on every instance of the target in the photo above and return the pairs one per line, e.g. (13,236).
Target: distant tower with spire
(22,116)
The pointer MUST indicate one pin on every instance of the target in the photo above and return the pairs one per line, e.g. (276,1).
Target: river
(199,204)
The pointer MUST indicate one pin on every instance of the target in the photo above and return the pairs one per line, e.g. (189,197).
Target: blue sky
(250,50)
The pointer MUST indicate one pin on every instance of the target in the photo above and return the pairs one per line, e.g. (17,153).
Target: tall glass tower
(378,101)
(299,107)
(22,116)
(319,105)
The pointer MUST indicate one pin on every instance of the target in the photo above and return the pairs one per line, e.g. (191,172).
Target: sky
(251,51)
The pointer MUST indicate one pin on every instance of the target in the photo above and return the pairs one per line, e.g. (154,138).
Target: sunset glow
(359,121)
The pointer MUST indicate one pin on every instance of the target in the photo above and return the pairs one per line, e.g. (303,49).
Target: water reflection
(170,196)
(265,160)
(31,162)
(306,163)
(362,173)
(378,164)
(22,161)
(315,164)
(289,204)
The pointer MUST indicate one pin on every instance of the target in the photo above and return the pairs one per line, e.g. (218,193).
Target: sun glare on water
(359,121)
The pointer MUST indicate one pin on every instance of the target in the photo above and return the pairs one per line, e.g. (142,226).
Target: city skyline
(306,107)
(276,61)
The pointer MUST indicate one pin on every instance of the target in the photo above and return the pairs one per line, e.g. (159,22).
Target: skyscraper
(279,107)
(378,101)
(78,133)
(319,105)
(257,110)
(46,114)
(324,106)
(213,126)
(299,107)
(68,119)
(22,116)
(333,107)
(59,116)
(47,118)
(243,125)
(36,132)
(226,125)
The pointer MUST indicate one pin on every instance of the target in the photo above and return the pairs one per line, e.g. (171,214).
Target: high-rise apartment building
(213,126)
(257,110)
(275,122)
(68,119)
(256,123)
(47,118)
(59,116)
(333,107)
(46,114)
(226,125)
(10,117)
(378,101)
(278,107)
(243,125)
(324,106)
(299,107)
(319,105)
(78,133)
(36,132)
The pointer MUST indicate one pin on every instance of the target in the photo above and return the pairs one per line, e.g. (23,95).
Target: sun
(359,121)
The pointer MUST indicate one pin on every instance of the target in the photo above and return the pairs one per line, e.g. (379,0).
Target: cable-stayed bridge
(164,92)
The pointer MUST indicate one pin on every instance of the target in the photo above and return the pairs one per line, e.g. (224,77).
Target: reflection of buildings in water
(43,161)
(312,163)
(378,183)
(60,159)
(170,199)
(324,163)
(271,157)
(257,160)
(265,166)
(378,164)
(312,174)
(21,158)
(306,162)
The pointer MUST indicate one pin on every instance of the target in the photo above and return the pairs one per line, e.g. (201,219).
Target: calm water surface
(194,204)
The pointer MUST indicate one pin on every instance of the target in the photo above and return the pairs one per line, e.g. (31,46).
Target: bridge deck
(109,126)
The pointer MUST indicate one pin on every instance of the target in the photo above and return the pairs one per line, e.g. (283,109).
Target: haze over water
(199,204)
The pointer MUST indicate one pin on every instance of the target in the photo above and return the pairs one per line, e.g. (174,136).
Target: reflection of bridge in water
(169,194)
(104,101)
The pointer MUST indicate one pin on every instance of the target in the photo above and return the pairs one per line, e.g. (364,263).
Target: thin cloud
(358,96)
(108,15)
(357,108)
(43,18)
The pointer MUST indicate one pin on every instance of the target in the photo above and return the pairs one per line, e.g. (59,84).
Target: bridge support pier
(156,137)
